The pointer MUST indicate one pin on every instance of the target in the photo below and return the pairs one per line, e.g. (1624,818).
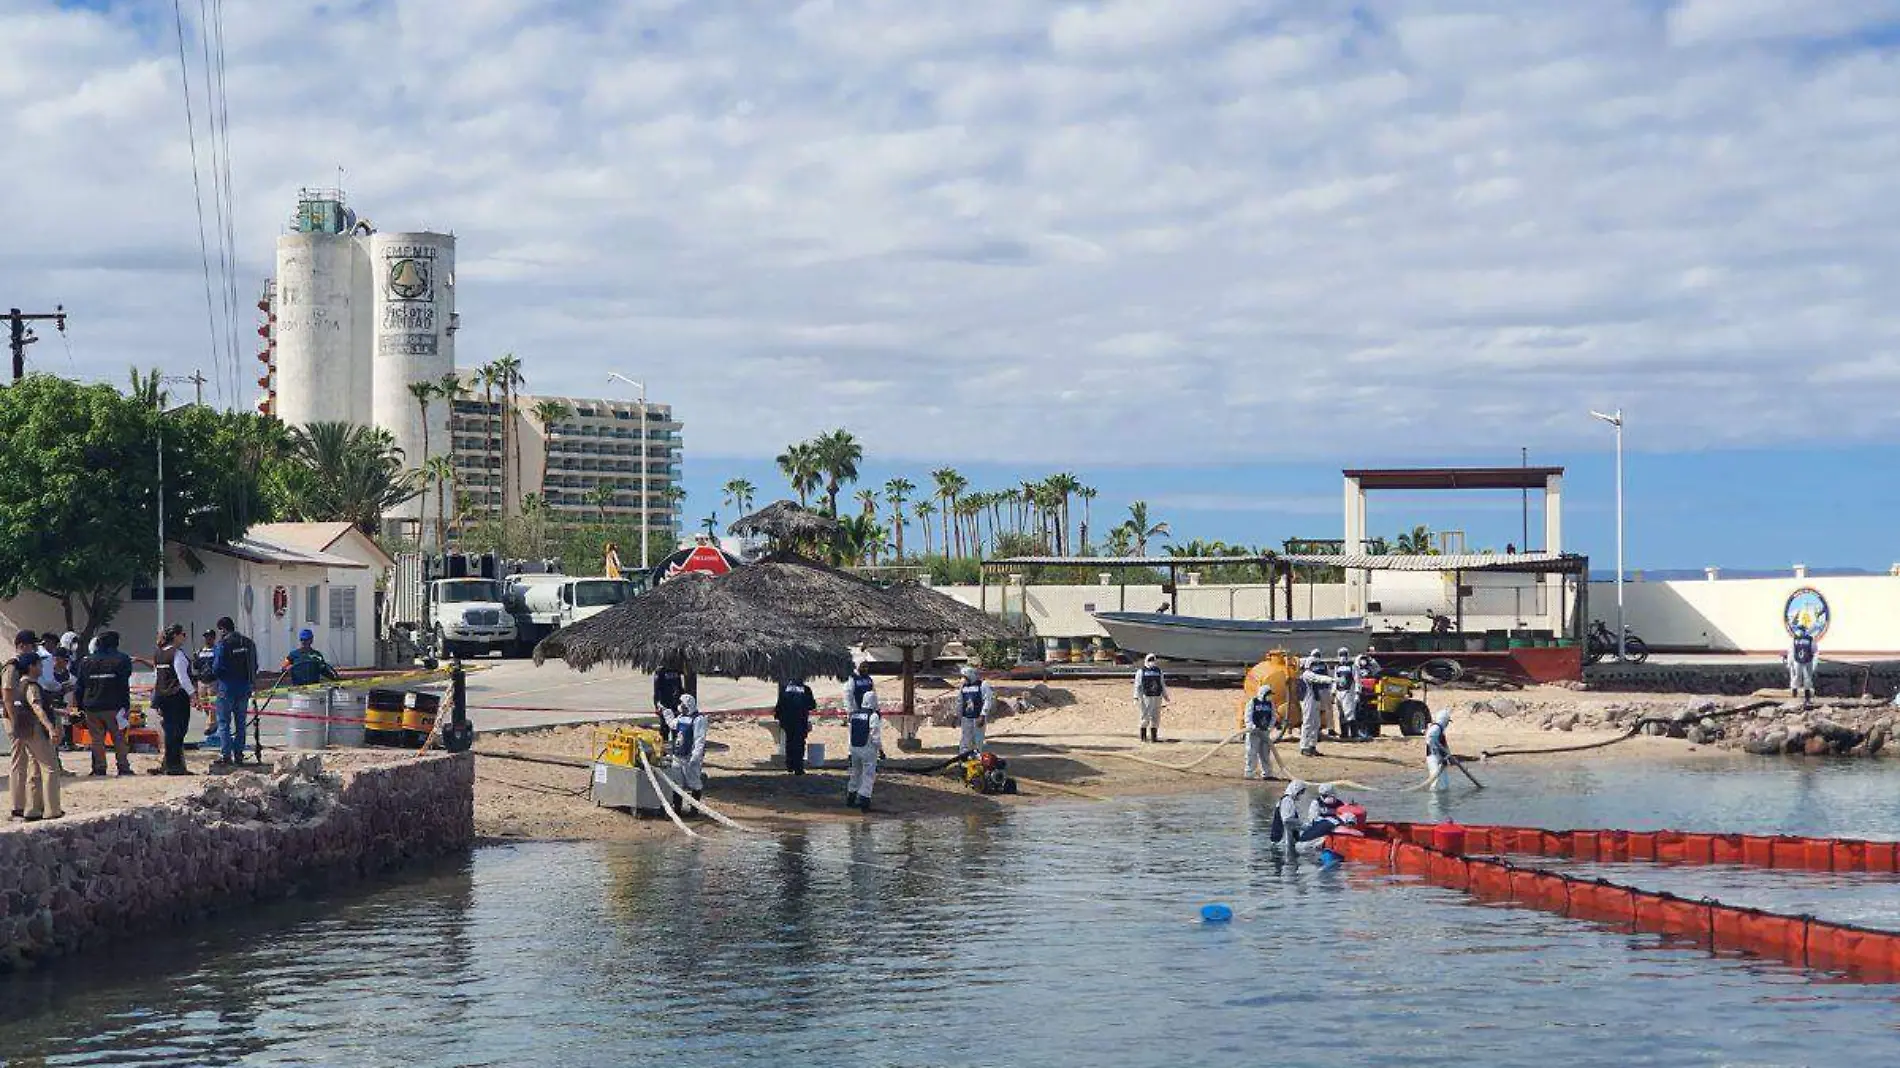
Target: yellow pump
(1279,670)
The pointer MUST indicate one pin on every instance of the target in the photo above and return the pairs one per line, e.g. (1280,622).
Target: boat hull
(1202,640)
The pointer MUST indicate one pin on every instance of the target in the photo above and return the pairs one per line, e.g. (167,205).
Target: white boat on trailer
(1208,640)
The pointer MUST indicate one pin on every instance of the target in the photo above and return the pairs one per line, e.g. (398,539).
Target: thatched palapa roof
(786,523)
(701,622)
(843,605)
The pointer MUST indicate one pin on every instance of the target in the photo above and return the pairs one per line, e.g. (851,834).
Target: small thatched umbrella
(786,524)
(697,623)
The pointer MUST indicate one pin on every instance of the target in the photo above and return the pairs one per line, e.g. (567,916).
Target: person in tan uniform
(34,776)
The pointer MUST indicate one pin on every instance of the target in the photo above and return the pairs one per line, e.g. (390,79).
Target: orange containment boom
(1861,953)
(1666,847)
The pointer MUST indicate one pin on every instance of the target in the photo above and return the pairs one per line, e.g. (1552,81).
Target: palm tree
(602,497)
(837,456)
(897,491)
(970,508)
(423,392)
(859,539)
(739,493)
(489,376)
(1416,542)
(547,412)
(1140,529)
(923,511)
(867,502)
(508,373)
(799,464)
(1087,493)
(441,471)
(950,485)
(1061,486)
(1121,540)
(674,496)
(344,472)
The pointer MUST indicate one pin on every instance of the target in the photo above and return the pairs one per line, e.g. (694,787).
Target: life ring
(279,600)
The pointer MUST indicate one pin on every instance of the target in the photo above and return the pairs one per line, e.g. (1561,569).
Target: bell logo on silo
(409,279)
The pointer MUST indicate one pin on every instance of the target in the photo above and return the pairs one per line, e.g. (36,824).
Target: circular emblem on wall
(1806,612)
(409,279)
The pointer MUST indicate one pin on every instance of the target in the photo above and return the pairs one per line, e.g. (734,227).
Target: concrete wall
(1745,615)
(83,881)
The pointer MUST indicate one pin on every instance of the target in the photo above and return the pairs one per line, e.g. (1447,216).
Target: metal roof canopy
(1119,562)
(1454,478)
(1522,563)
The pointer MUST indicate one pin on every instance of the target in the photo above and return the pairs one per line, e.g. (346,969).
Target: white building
(355,317)
(596,442)
(272,582)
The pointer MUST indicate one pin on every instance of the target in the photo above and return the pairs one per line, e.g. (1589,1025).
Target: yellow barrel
(1279,670)
(382,719)
(418,716)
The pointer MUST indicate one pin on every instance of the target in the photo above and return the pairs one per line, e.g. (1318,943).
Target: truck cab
(468,616)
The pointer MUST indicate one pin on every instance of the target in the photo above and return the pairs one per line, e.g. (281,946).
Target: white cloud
(1093,232)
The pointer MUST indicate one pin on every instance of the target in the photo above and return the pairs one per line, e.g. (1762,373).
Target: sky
(1205,253)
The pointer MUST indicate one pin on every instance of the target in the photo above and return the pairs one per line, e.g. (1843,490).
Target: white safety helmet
(1149,660)
(1443,718)
(1345,653)
(869,704)
(1264,693)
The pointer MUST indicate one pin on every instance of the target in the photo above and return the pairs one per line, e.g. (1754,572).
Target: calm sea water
(1057,934)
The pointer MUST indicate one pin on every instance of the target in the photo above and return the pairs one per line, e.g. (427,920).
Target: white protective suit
(1365,667)
(1286,815)
(975,702)
(1802,655)
(866,733)
(1438,750)
(1260,734)
(1149,704)
(689,745)
(1345,694)
(1325,805)
(1318,685)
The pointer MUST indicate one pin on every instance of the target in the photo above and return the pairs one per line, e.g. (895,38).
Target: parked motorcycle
(1601,643)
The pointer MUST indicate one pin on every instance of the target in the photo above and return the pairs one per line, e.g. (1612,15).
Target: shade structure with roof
(699,623)
(786,523)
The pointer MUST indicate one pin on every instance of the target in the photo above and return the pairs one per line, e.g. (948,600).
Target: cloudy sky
(1232,241)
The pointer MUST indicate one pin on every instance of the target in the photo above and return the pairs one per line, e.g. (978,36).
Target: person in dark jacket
(105,696)
(668,685)
(795,706)
(172,689)
(306,664)
(235,667)
(204,673)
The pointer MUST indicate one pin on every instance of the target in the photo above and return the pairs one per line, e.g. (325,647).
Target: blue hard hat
(305,635)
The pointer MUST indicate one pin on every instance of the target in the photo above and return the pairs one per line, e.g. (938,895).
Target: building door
(343,626)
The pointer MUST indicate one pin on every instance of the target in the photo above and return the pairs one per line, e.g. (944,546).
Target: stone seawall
(75,883)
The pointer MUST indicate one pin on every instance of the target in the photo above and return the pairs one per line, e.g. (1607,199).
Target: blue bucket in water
(1216,913)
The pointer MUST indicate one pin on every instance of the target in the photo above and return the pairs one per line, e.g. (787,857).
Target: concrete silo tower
(413,340)
(322,308)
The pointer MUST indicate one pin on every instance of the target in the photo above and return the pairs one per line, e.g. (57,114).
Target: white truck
(447,606)
(543,604)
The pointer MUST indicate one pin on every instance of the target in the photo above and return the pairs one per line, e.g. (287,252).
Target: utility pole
(197,379)
(20,336)
(1524,497)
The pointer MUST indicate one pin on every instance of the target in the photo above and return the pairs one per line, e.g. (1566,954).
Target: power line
(191,133)
(217,194)
(230,203)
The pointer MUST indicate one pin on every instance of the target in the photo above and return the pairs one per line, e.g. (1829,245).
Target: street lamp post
(645,564)
(1615,419)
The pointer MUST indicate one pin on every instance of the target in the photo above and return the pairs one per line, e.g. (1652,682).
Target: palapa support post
(907,739)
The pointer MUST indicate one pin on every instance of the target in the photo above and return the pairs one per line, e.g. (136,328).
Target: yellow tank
(1280,670)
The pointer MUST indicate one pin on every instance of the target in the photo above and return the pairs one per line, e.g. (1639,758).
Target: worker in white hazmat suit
(689,746)
(1438,750)
(1316,687)
(1285,828)
(1365,668)
(867,730)
(1325,805)
(1802,655)
(1151,692)
(1260,734)
(1345,695)
(975,701)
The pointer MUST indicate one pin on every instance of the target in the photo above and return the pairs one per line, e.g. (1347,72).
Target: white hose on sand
(704,807)
(664,803)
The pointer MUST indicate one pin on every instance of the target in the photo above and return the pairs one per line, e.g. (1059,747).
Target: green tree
(489,375)
(1415,542)
(1087,494)
(837,455)
(860,538)
(440,472)
(739,494)
(349,473)
(949,486)
(1141,530)
(799,464)
(75,537)
(602,498)
(867,502)
(423,392)
(547,412)
(508,376)
(923,510)
(897,491)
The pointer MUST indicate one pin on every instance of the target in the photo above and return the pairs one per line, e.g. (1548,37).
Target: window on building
(172,593)
(342,608)
(310,602)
